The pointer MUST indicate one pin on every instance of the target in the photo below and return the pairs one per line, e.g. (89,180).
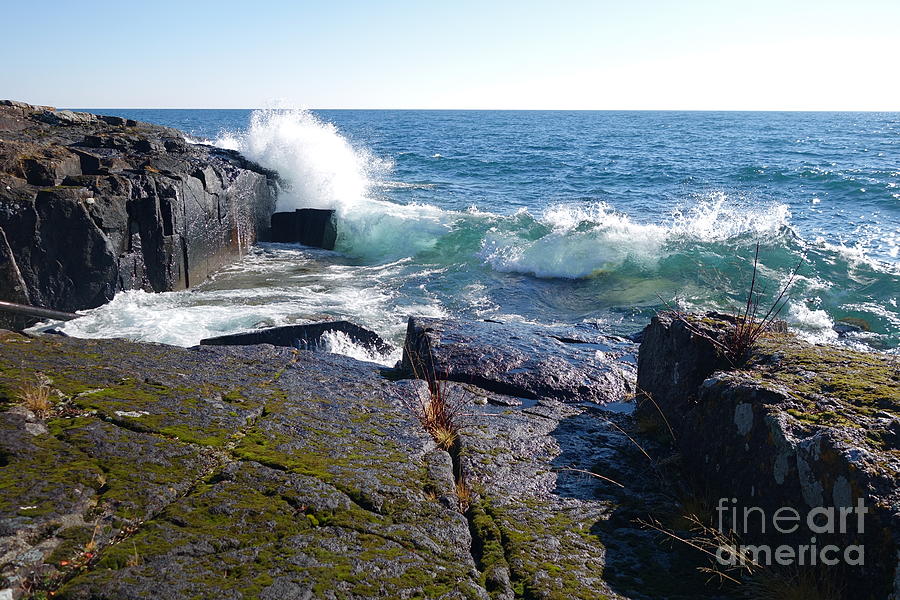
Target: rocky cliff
(92,205)
(798,427)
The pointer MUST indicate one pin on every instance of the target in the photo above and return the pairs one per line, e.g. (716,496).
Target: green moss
(45,477)
(233,396)
(853,385)
(487,543)
(522,538)
(826,417)
(73,541)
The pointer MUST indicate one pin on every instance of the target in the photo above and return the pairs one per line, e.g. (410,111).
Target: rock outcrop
(221,472)
(91,205)
(575,363)
(314,227)
(271,472)
(798,426)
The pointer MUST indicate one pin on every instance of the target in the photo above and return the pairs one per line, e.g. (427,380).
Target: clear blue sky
(624,54)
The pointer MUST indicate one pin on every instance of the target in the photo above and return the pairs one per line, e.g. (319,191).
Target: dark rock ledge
(92,205)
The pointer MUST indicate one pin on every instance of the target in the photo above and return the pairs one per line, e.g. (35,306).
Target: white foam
(322,169)
(718,218)
(320,166)
(338,342)
(588,240)
(812,324)
(171,318)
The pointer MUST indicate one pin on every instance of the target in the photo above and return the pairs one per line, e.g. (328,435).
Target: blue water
(555,217)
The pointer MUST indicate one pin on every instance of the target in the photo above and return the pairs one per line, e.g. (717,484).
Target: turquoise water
(554,217)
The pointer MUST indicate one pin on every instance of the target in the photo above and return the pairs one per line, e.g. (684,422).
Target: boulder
(528,361)
(676,355)
(798,427)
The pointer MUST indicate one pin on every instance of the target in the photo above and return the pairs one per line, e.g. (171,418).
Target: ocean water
(552,217)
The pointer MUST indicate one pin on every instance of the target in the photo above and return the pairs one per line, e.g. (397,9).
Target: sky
(578,54)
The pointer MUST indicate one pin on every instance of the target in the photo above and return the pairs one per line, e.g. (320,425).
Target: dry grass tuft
(135,559)
(442,411)
(750,326)
(710,541)
(35,396)
(464,495)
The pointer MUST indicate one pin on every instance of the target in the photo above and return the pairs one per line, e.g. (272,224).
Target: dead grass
(750,326)
(464,495)
(710,541)
(651,423)
(35,396)
(135,559)
(442,411)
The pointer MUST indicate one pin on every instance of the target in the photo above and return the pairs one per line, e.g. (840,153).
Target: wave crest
(587,240)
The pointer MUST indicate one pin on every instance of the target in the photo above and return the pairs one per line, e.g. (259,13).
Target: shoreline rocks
(304,337)
(262,471)
(798,427)
(92,205)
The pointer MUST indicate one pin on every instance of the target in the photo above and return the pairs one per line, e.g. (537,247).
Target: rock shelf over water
(132,470)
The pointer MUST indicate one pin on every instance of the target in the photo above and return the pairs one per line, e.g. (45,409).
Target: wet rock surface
(270,472)
(560,490)
(91,205)
(308,226)
(567,363)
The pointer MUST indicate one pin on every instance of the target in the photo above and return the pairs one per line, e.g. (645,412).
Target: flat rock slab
(221,472)
(573,364)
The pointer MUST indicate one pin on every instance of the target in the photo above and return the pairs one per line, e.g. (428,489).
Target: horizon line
(760,110)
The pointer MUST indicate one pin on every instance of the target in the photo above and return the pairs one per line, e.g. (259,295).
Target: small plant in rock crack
(749,324)
(464,494)
(442,410)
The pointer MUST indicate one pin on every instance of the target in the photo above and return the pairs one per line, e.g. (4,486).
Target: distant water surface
(552,217)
